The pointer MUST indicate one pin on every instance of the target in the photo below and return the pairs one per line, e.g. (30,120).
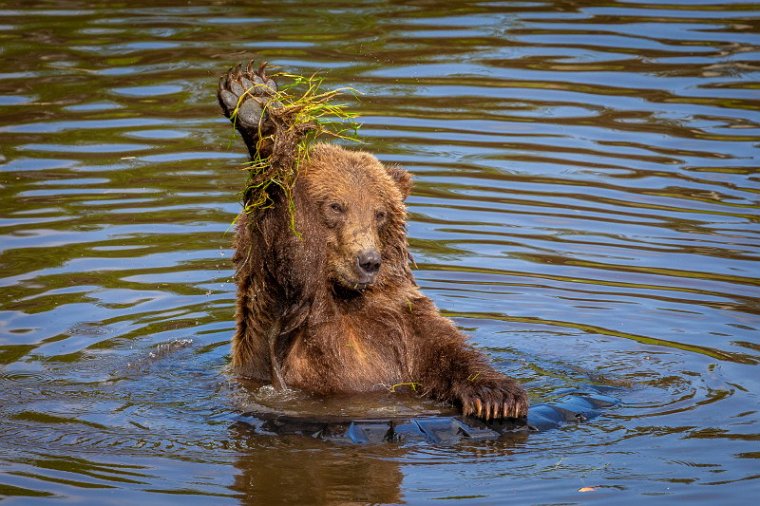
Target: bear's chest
(347,355)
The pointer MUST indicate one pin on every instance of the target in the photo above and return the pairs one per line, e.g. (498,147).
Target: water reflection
(311,472)
(292,469)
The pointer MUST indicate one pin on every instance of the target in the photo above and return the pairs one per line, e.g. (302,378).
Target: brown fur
(309,318)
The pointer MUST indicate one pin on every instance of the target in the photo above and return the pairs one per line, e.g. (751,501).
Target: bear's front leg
(451,370)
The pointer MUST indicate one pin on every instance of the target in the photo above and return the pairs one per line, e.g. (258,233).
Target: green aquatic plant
(293,118)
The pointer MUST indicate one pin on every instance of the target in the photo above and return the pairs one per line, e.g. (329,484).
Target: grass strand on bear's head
(300,113)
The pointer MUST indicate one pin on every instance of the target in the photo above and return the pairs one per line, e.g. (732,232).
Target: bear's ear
(402,178)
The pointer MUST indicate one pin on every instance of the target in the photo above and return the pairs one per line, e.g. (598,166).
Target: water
(586,207)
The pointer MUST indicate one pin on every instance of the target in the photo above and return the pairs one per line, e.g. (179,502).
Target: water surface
(586,207)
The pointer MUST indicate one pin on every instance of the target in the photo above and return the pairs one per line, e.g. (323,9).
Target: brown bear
(335,308)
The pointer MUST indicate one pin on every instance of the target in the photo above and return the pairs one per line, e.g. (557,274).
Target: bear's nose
(369,261)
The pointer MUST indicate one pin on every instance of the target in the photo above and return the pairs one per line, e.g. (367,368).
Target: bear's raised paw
(245,94)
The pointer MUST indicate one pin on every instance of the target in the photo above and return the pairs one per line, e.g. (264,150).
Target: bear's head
(351,212)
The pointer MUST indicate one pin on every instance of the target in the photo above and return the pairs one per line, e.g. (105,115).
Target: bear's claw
(494,399)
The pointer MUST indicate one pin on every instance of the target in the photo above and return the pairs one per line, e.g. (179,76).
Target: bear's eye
(336,207)
(380,216)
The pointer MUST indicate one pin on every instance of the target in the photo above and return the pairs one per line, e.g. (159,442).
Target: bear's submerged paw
(493,399)
(245,94)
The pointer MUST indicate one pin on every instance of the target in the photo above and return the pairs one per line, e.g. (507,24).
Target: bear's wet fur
(337,310)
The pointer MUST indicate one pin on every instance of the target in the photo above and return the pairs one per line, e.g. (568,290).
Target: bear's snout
(368,263)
